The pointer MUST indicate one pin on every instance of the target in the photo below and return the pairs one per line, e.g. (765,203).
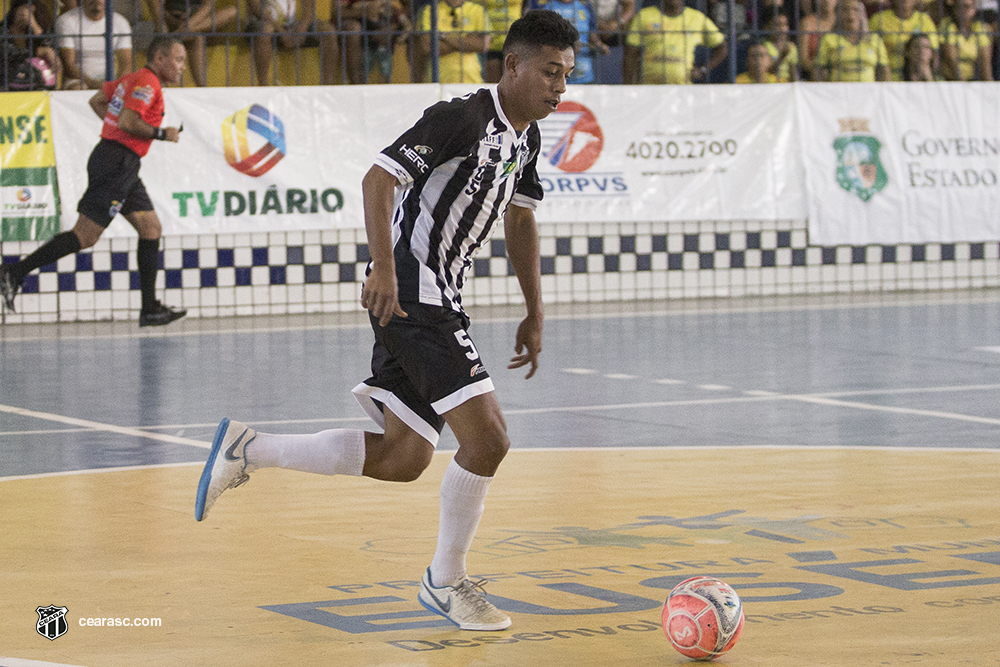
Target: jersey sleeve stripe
(394,168)
(524,201)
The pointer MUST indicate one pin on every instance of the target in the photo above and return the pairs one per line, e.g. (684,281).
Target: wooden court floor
(835,459)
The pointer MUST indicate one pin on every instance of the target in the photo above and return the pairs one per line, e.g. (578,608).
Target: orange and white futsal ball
(703,617)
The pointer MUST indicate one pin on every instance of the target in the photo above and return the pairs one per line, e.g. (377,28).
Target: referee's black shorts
(423,366)
(113,184)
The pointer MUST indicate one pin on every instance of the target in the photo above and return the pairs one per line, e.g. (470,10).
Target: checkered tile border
(296,272)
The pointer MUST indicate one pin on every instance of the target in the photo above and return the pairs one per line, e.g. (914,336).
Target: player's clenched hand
(381,296)
(173,134)
(527,345)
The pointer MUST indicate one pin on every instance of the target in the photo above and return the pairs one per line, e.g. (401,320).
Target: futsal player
(464,165)
(132,110)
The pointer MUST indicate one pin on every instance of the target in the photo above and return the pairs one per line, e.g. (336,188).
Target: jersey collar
(503,117)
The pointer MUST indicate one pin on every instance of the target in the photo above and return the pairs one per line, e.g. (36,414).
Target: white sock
(332,452)
(462,495)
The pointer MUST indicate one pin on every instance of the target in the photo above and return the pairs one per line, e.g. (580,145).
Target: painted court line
(887,408)
(92,471)
(576,450)
(636,406)
(98,426)
(910,390)
(47,431)
(321,420)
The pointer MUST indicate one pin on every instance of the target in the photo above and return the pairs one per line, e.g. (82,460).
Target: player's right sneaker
(8,288)
(464,605)
(226,465)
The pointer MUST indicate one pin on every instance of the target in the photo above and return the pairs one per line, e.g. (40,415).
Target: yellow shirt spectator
(896,32)
(459,67)
(790,63)
(501,14)
(668,42)
(851,62)
(746,78)
(967,47)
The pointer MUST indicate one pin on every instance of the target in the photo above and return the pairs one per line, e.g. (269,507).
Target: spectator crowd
(49,44)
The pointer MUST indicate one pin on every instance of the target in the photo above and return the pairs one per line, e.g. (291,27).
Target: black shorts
(423,366)
(113,184)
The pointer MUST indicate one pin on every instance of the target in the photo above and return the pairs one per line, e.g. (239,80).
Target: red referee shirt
(141,92)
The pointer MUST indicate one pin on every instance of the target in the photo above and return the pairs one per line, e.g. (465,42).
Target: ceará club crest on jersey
(571,145)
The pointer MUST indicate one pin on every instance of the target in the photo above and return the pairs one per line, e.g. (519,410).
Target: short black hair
(161,43)
(541,27)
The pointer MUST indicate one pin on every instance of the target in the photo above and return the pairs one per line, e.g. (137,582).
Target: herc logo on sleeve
(253,140)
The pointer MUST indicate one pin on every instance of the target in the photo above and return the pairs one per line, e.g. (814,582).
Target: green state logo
(859,169)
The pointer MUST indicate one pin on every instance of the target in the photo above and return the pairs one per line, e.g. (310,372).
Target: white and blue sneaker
(226,467)
(464,605)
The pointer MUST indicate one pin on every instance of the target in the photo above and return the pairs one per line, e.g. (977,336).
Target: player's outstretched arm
(521,235)
(380,294)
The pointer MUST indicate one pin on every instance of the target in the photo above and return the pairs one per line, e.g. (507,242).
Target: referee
(430,201)
(132,109)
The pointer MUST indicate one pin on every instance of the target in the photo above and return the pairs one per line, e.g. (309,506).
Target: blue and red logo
(253,140)
(571,137)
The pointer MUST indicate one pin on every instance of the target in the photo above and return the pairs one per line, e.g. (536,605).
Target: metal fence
(325,42)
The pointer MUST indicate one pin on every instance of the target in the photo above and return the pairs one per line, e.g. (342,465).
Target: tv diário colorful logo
(254,140)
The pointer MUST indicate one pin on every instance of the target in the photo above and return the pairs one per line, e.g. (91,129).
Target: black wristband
(159,133)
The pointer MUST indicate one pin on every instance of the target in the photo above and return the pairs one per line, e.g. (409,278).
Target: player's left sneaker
(8,288)
(160,315)
(464,605)
(226,467)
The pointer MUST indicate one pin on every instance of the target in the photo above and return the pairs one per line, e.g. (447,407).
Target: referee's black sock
(57,247)
(149,264)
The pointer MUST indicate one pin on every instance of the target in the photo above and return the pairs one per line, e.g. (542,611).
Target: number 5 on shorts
(465,341)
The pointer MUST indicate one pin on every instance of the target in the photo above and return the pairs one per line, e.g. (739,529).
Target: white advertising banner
(257,159)
(639,153)
(250,159)
(901,163)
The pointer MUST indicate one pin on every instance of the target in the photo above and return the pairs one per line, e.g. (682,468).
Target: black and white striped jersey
(458,168)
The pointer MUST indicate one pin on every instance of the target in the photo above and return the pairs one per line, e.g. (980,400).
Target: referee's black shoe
(8,288)
(160,315)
